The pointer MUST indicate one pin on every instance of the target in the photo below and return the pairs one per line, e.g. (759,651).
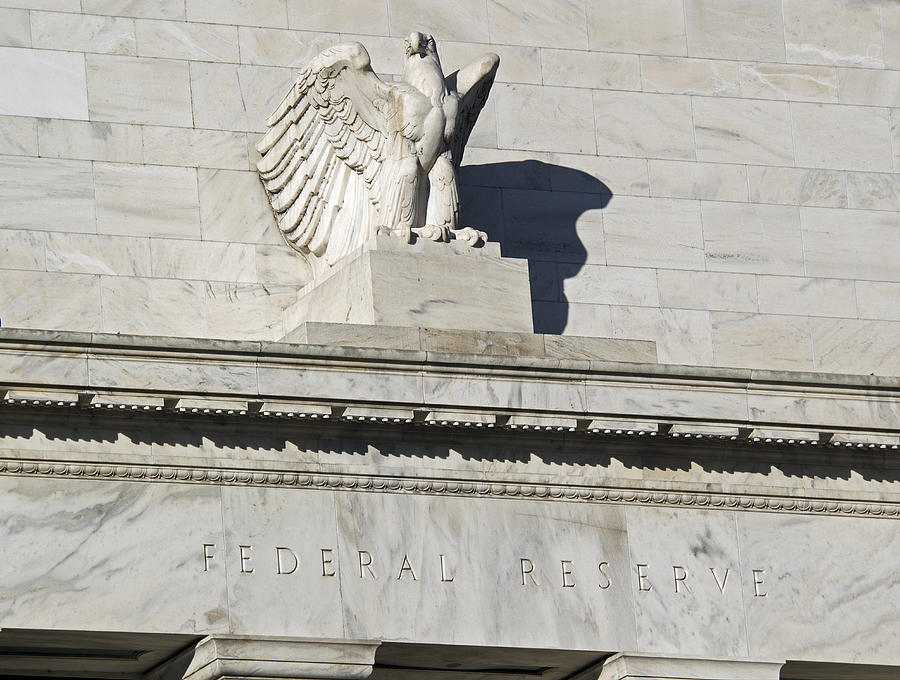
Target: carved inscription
(680,574)
(531,572)
(445,576)
(207,555)
(758,582)
(245,559)
(406,567)
(724,580)
(605,580)
(643,584)
(365,564)
(327,562)
(286,561)
(567,578)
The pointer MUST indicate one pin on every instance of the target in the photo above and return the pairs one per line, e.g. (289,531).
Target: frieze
(398,484)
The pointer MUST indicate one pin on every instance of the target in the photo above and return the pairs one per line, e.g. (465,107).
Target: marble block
(28,75)
(425,284)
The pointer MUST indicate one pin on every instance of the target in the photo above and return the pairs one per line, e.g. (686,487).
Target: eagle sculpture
(348,155)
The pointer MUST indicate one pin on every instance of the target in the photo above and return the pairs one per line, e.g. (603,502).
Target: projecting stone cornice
(265,379)
(119,408)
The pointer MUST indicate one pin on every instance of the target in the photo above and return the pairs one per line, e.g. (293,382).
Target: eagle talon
(433,232)
(400,231)
(471,236)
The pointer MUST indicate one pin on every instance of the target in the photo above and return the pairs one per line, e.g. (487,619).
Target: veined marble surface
(717,177)
(127,463)
(668,169)
(408,567)
(110,548)
(426,284)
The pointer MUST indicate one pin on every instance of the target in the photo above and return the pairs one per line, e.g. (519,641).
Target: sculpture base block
(493,343)
(424,284)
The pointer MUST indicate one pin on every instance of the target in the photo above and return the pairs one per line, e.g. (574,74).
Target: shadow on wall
(176,437)
(542,213)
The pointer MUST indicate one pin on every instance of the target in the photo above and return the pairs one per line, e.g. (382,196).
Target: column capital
(637,666)
(239,657)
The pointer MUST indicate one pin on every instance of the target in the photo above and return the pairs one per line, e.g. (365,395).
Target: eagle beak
(416,43)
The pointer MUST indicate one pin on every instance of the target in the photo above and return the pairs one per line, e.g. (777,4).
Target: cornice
(108,344)
(375,414)
(287,381)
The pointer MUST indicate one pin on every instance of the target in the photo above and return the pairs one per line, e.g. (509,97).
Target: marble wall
(408,567)
(722,178)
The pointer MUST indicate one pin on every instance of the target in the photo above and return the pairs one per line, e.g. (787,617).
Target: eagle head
(422,66)
(420,44)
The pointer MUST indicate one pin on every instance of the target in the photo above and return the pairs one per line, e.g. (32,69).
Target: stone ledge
(472,385)
(39,340)
(489,343)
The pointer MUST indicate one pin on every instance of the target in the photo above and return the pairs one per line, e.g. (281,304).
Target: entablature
(436,389)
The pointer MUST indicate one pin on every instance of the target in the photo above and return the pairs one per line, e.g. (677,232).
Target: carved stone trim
(468,488)
(378,414)
(272,380)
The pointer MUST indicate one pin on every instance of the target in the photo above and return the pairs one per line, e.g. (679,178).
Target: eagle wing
(323,153)
(472,84)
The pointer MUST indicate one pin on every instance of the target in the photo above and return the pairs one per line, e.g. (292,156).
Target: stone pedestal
(242,658)
(456,341)
(630,666)
(424,284)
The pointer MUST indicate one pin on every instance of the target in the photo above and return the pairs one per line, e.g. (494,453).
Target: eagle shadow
(540,212)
